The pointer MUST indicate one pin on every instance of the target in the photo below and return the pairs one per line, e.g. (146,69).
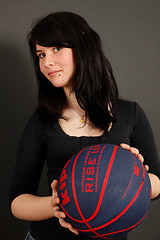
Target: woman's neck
(72,102)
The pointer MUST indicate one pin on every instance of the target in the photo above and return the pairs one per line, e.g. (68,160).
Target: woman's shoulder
(126,104)
(39,118)
(34,120)
(39,125)
(128,107)
(34,124)
(130,110)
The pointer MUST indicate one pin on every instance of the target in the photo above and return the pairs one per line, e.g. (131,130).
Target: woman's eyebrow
(38,50)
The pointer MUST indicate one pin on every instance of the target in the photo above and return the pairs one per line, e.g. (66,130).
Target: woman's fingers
(54,187)
(65,224)
(125,146)
(135,151)
(57,213)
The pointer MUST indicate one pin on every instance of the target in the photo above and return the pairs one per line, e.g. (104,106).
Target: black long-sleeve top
(46,141)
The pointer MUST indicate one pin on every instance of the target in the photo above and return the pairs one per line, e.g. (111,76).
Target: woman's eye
(57,49)
(41,55)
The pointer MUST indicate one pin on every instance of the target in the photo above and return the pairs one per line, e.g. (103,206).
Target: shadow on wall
(17,102)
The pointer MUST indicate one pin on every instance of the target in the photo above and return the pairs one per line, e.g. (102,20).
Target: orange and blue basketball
(104,191)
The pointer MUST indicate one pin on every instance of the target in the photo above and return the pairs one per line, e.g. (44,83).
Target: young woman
(78,106)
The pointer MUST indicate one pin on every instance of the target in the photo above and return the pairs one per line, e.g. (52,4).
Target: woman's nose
(49,61)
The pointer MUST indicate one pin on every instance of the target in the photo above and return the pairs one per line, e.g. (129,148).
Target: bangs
(51,33)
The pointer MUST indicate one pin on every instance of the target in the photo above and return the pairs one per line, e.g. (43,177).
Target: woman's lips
(54,73)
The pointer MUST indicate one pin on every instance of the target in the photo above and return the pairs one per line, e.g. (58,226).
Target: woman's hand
(135,151)
(57,213)
(155,182)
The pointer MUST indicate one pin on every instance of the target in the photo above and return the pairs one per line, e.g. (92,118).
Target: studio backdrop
(130,32)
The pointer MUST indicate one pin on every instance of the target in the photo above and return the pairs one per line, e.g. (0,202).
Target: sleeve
(30,161)
(142,138)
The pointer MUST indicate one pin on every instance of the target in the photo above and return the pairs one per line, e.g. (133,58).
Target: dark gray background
(130,31)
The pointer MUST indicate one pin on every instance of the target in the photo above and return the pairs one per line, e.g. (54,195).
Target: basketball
(104,191)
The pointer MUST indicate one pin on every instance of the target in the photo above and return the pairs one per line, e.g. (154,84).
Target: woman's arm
(32,208)
(155,185)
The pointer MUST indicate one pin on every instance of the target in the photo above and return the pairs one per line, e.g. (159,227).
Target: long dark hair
(93,82)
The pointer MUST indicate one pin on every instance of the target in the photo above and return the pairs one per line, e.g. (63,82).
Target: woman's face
(57,64)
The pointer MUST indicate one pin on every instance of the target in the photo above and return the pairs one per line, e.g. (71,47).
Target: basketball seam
(124,211)
(123,230)
(102,191)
